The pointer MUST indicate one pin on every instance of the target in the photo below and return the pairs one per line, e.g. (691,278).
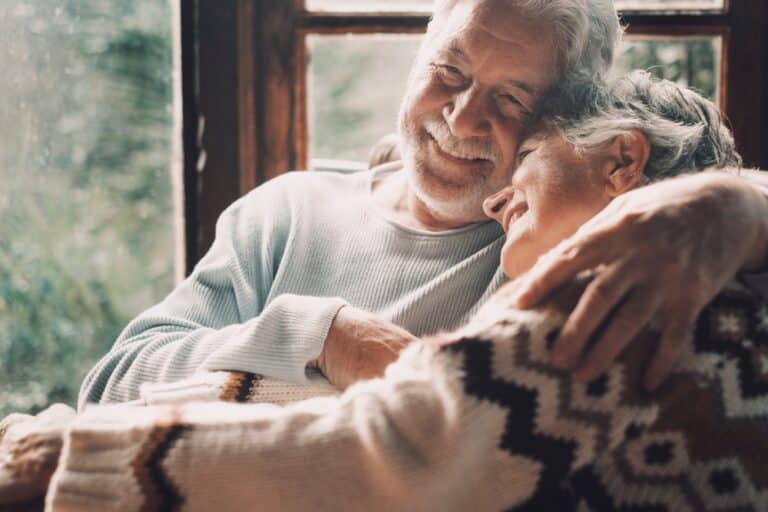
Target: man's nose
(493,206)
(467,115)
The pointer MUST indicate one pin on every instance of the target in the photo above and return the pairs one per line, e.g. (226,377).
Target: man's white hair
(585,32)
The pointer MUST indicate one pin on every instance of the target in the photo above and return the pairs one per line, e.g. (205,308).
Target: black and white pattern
(700,443)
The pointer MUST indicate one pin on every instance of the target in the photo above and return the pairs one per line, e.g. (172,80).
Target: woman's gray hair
(685,130)
(586,32)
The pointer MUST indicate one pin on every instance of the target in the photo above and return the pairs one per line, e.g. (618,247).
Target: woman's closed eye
(511,105)
(511,99)
(524,153)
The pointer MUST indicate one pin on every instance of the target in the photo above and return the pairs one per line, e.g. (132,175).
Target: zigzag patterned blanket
(699,443)
(483,423)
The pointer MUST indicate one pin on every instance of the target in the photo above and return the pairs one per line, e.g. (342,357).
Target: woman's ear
(627,157)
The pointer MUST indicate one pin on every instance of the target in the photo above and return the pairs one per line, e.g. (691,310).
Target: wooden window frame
(244,66)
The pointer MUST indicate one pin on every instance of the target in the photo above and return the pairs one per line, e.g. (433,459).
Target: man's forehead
(497,36)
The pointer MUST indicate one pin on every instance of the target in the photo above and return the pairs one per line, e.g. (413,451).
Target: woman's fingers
(626,322)
(677,332)
(599,298)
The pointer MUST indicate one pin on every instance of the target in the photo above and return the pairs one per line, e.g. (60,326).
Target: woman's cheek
(523,247)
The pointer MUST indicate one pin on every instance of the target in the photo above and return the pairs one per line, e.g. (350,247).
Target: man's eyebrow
(454,50)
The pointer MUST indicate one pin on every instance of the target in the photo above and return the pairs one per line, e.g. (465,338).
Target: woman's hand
(661,252)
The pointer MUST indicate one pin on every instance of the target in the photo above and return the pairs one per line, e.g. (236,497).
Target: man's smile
(455,157)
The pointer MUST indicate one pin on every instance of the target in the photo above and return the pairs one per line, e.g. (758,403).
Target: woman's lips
(513,212)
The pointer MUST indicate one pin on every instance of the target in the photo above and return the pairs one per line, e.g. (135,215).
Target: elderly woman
(479,419)
(573,166)
(591,146)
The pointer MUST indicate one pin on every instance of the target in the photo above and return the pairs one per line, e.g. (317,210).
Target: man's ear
(627,157)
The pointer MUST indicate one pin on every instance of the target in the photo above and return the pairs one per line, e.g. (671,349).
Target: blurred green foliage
(86,198)
(690,62)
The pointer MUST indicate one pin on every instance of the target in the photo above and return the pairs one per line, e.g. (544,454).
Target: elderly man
(341,272)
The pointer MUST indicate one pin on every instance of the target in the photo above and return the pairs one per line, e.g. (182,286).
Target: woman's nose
(493,206)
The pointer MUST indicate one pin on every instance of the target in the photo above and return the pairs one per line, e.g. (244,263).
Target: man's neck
(396,197)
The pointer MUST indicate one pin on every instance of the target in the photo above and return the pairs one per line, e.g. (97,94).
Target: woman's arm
(413,440)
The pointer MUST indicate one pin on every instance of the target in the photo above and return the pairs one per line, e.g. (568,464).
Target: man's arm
(220,317)
(227,316)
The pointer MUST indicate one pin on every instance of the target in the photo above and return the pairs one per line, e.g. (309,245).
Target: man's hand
(360,346)
(662,252)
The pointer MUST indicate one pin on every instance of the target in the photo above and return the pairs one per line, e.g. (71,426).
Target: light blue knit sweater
(286,257)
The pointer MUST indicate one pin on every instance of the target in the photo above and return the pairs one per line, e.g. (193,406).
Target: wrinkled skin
(360,346)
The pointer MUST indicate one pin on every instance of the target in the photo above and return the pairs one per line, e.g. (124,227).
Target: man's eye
(511,106)
(451,75)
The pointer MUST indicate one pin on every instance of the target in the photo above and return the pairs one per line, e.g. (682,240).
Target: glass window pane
(87,236)
(427,5)
(689,61)
(355,87)
(356,83)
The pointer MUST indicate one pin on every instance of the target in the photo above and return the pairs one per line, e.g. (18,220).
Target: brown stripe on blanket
(159,492)
(240,387)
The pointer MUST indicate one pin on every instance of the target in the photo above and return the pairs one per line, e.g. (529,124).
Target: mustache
(470,148)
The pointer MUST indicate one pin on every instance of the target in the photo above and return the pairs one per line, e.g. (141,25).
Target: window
(270,95)
(87,197)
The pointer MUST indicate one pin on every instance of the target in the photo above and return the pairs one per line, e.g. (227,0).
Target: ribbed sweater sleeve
(222,317)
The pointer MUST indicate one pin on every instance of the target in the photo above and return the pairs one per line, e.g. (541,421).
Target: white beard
(460,203)
(465,206)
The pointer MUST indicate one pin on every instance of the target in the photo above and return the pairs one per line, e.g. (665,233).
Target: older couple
(342,272)
(481,418)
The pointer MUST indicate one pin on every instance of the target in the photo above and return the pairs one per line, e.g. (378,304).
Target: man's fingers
(600,296)
(555,268)
(677,332)
(625,324)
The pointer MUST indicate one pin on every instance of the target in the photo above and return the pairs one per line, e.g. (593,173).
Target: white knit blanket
(483,423)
